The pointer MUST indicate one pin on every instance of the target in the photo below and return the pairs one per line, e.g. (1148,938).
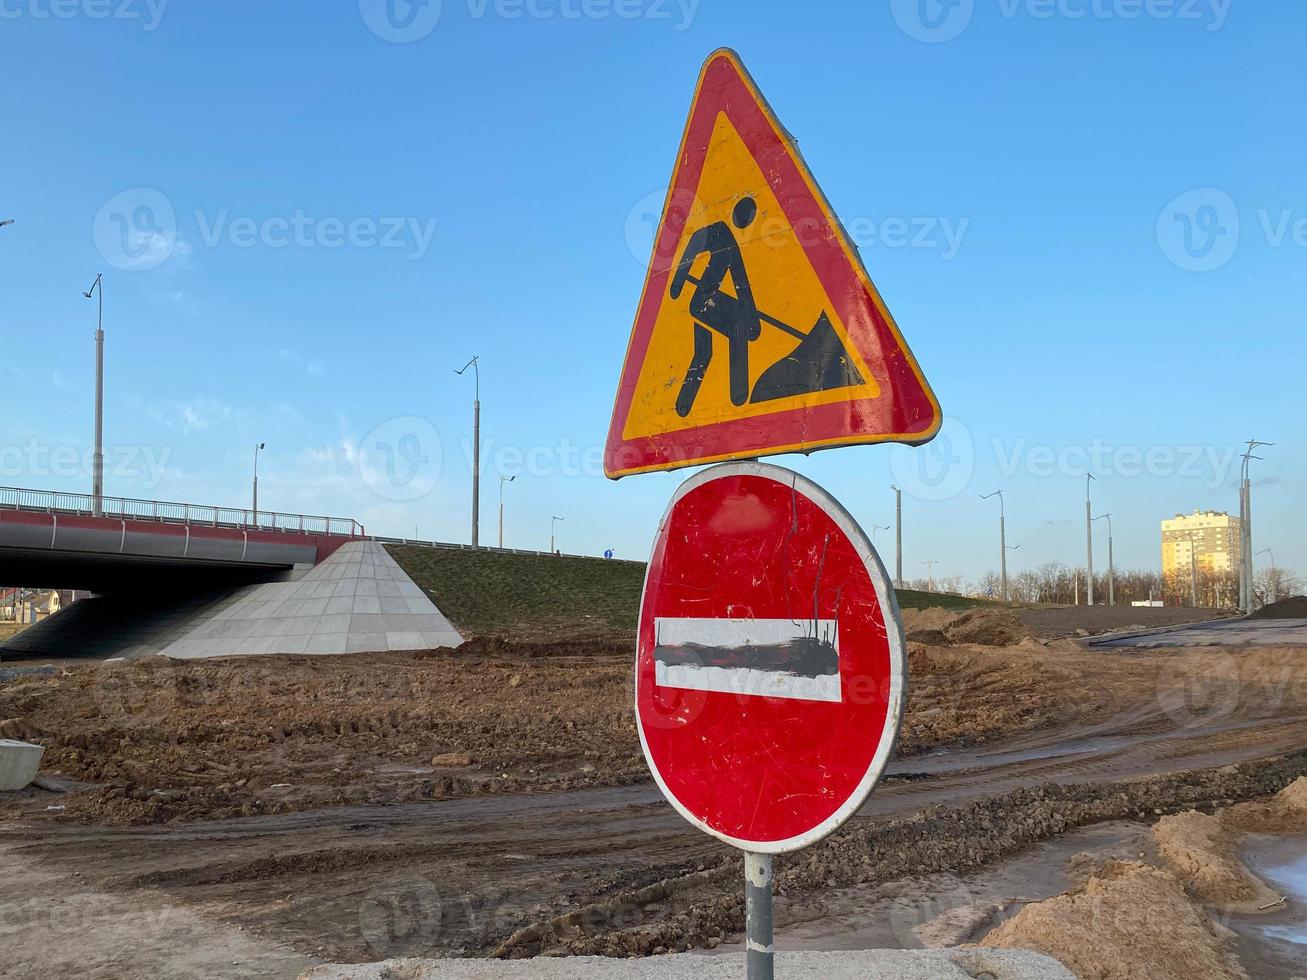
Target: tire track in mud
(615,870)
(704,907)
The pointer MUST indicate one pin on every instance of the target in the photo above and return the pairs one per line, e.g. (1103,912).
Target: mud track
(614,870)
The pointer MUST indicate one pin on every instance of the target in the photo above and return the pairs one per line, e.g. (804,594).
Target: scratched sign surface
(769,668)
(758,330)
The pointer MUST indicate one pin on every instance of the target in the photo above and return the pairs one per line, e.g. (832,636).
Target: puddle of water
(1282,863)
(1274,944)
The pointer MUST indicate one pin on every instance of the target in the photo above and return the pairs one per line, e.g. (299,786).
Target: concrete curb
(871,964)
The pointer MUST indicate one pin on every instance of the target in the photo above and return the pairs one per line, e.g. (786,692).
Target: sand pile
(1132,922)
(1200,851)
(986,627)
(1283,813)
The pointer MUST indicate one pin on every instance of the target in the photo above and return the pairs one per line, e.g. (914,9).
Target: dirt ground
(493,800)
(165,740)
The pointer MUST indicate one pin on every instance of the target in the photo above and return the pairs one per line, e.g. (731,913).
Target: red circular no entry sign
(770,673)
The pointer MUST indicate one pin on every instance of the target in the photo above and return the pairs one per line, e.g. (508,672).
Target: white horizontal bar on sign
(734,633)
(744,682)
(775,658)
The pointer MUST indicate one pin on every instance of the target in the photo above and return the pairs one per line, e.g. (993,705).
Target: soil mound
(1132,922)
(1200,850)
(1283,813)
(1295,608)
(986,627)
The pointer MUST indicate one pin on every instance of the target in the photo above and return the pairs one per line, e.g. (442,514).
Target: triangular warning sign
(759,331)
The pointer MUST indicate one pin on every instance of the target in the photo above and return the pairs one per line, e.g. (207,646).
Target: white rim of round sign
(893,633)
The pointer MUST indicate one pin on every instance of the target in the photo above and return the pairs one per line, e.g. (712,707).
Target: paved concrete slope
(871,964)
(357,601)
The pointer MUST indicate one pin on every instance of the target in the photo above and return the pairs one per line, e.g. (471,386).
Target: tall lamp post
(258,448)
(476,449)
(930,571)
(97,464)
(1111,563)
(898,536)
(553,523)
(1246,597)
(1002,538)
(1089,538)
(502,480)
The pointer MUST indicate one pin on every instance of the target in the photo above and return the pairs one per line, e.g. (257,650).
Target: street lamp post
(97,464)
(874,529)
(1193,571)
(898,536)
(1246,598)
(257,449)
(502,480)
(553,523)
(476,449)
(930,572)
(1002,538)
(1111,562)
(1089,540)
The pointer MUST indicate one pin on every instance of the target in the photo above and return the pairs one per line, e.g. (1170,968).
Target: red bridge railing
(167,512)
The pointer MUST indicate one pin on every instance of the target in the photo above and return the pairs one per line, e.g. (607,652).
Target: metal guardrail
(167,512)
(454,546)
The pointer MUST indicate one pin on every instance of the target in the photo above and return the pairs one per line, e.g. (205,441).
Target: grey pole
(553,523)
(760,961)
(1246,512)
(257,448)
(475,365)
(97,464)
(930,572)
(1111,565)
(1243,522)
(1193,571)
(898,536)
(1002,537)
(502,480)
(1089,541)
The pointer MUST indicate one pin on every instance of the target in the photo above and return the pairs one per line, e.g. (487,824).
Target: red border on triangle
(906,409)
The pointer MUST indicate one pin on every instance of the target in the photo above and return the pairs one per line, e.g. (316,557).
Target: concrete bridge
(69,540)
(185,580)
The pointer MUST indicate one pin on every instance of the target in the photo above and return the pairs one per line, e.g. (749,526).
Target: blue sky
(308,217)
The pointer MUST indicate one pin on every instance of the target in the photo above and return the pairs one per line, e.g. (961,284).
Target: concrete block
(18,764)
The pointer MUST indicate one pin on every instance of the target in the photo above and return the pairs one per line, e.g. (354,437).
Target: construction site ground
(259,816)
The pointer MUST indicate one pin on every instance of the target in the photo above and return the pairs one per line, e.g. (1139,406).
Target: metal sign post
(760,958)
